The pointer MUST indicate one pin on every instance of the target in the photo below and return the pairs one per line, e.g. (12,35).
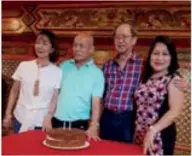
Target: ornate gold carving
(101,21)
(68,19)
(95,18)
(183,19)
(12,25)
(154,19)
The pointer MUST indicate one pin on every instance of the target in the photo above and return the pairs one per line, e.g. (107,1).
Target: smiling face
(83,47)
(124,39)
(43,46)
(160,58)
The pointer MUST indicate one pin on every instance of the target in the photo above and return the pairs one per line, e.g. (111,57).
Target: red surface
(30,143)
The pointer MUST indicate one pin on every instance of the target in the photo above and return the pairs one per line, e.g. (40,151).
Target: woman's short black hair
(53,56)
(168,42)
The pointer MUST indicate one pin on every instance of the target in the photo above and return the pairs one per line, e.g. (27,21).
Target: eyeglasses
(123,37)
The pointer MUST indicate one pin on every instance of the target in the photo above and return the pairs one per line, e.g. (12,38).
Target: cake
(59,137)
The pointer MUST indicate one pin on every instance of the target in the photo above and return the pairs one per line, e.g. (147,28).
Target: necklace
(36,83)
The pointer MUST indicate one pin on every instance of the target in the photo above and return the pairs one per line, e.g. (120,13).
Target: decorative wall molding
(12,13)
(67,19)
(13,26)
(17,48)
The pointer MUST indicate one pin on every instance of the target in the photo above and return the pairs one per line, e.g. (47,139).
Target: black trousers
(17,125)
(117,126)
(80,124)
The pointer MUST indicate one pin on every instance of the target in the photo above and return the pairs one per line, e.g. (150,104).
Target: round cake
(59,137)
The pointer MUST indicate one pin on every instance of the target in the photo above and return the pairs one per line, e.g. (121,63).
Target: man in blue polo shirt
(81,90)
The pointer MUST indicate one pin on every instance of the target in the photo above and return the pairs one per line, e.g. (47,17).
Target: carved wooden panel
(183,122)
(12,25)
(9,67)
(100,19)
(15,50)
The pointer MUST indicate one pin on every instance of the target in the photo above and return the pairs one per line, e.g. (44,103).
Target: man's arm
(97,94)
(93,130)
(96,112)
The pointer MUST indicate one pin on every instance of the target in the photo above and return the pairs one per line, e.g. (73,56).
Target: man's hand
(180,83)
(47,123)
(93,133)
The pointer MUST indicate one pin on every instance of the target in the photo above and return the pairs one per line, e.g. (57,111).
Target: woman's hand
(7,121)
(47,123)
(149,140)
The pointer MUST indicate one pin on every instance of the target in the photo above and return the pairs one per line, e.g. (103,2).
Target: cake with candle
(62,138)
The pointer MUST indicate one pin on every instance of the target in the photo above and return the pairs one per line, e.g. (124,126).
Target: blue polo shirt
(78,87)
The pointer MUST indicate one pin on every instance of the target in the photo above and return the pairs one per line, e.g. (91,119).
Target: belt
(69,124)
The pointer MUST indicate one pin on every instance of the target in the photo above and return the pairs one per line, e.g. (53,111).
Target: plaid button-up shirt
(121,84)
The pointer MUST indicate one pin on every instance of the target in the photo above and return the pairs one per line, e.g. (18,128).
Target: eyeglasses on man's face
(122,37)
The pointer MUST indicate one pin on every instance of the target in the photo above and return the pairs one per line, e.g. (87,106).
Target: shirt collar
(87,64)
(132,58)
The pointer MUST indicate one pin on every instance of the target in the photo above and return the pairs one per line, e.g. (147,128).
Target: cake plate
(87,144)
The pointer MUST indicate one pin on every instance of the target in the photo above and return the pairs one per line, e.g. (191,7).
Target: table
(30,143)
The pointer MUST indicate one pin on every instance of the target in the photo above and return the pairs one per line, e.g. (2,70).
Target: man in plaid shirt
(122,76)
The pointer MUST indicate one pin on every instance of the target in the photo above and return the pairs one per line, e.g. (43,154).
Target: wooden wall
(22,21)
